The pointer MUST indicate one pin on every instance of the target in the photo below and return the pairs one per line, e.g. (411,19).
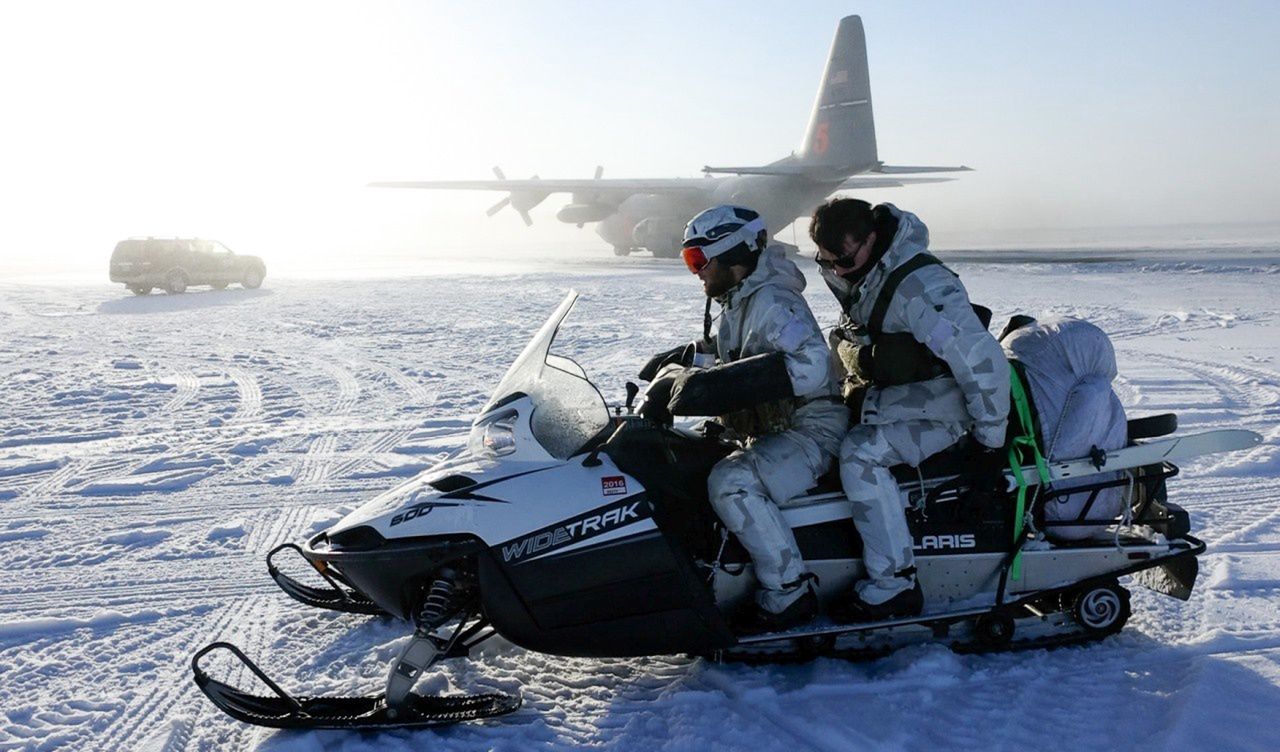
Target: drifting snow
(153,449)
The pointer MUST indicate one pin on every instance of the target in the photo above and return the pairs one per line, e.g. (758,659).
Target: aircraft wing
(584,185)
(861,183)
(885,169)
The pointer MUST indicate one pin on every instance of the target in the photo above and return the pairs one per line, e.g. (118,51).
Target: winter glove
(681,354)
(658,395)
(731,386)
(855,393)
(850,356)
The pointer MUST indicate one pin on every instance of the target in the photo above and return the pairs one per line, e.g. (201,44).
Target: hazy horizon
(259,125)
(1250,243)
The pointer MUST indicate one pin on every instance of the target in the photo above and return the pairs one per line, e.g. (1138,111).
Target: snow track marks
(152,454)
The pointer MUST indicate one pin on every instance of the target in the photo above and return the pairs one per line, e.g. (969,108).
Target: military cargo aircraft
(838,154)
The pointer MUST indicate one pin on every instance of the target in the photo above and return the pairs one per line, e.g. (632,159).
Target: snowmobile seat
(828,482)
(1151,426)
(948,462)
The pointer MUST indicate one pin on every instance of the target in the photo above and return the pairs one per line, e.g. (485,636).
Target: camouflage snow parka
(766,313)
(932,305)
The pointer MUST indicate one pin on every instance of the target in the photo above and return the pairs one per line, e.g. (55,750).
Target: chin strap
(706,323)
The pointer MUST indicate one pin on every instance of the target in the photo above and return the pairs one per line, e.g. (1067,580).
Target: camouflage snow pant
(866,455)
(746,486)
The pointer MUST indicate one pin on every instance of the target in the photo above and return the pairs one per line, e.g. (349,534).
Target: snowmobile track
(188,387)
(249,393)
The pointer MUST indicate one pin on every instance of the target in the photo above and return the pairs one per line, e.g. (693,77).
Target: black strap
(875,324)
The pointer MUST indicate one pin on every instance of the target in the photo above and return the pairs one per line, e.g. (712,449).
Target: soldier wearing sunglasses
(924,372)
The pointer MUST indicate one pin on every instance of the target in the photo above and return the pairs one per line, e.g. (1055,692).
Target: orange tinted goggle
(694,258)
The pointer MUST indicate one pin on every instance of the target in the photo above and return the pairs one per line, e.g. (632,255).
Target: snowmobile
(570,528)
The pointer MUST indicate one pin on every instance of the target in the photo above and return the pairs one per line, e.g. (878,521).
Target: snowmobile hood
(773,269)
(501,502)
(449,478)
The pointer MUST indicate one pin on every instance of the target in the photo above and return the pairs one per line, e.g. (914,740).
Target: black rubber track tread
(807,653)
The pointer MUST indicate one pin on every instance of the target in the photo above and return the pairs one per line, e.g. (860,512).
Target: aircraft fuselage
(656,221)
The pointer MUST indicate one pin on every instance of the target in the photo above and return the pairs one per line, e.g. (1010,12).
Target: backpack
(1067,366)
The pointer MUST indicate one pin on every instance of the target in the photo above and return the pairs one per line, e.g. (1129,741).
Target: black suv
(174,264)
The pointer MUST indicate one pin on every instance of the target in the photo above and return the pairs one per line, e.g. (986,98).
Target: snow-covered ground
(152,450)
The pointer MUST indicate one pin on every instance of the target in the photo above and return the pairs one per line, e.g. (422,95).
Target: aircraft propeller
(522,201)
(492,210)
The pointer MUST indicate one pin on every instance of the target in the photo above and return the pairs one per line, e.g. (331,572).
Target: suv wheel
(176,282)
(140,289)
(252,279)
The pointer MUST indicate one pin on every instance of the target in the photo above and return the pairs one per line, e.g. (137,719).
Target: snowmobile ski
(335,597)
(398,707)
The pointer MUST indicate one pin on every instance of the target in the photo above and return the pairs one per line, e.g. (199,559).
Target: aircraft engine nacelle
(523,201)
(660,235)
(576,214)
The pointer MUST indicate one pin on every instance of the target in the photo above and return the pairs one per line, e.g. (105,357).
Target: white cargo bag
(1070,364)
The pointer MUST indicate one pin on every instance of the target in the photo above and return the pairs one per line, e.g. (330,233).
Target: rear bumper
(135,276)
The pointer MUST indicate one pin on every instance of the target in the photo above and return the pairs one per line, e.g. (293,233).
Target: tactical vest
(893,358)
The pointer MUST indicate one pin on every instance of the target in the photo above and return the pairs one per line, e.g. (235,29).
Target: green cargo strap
(875,323)
(1017,453)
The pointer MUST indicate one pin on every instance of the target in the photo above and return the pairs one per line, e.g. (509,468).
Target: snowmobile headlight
(493,436)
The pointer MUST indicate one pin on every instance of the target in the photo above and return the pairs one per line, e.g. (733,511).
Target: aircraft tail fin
(841,139)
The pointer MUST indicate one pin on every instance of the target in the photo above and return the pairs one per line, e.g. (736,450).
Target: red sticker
(822,138)
(613,485)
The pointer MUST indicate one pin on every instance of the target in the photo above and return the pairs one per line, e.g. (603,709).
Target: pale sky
(259,123)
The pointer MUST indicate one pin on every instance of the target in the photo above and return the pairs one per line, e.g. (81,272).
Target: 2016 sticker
(613,485)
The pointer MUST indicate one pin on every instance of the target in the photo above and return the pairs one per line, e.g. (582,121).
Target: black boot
(855,610)
(752,619)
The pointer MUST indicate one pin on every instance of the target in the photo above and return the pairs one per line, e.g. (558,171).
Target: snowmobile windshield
(568,410)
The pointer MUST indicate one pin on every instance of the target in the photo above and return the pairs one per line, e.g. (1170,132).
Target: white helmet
(721,229)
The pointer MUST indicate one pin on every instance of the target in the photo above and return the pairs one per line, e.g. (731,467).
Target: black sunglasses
(846,262)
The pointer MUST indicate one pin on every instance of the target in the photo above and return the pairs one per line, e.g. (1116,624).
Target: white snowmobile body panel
(519,500)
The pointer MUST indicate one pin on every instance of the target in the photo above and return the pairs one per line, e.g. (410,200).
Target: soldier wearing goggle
(772,386)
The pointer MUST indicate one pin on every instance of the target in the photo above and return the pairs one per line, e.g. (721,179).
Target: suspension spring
(441,600)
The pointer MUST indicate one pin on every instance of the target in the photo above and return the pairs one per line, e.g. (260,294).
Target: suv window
(128,250)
